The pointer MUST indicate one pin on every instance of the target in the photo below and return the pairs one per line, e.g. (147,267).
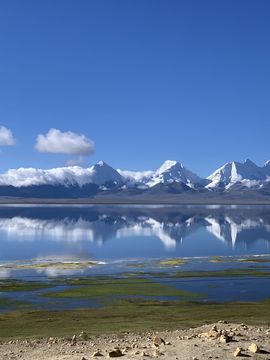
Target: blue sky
(146,80)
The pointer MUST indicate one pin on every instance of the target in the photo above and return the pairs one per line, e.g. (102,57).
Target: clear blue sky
(146,80)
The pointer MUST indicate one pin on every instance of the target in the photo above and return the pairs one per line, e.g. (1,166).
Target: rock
(213,333)
(158,341)
(74,340)
(157,353)
(115,353)
(83,335)
(254,348)
(83,358)
(224,339)
(238,352)
(97,353)
(144,353)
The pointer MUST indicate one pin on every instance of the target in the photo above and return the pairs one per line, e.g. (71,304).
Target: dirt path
(216,341)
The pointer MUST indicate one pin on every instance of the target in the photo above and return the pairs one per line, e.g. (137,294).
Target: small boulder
(115,353)
(83,335)
(254,348)
(224,339)
(97,353)
(158,341)
(238,352)
(212,333)
(143,353)
(74,340)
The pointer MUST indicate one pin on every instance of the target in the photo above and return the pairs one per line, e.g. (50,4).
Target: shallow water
(50,242)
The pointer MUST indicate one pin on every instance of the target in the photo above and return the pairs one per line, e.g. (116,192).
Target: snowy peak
(247,174)
(168,165)
(172,171)
(103,174)
(171,176)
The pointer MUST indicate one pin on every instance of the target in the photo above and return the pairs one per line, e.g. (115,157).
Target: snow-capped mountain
(173,171)
(170,180)
(246,174)
(169,172)
(99,174)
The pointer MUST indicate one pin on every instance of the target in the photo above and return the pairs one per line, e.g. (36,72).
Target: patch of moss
(120,288)
(171,262)
(218,259)
(255,260)
(55,265)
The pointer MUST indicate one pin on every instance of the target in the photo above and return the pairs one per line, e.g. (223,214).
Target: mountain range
(171,181)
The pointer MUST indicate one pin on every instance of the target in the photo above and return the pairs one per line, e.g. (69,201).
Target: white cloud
(70,175)
(6,137)
(56,141)
(136,175)
(31,176)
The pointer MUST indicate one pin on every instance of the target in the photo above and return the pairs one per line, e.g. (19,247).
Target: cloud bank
(73,175)
(58,142)
(6,137)
(136,176)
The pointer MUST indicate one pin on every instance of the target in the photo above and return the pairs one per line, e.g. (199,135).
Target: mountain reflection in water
(76,226)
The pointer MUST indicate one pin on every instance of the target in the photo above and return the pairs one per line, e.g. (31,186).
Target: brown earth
(216,341)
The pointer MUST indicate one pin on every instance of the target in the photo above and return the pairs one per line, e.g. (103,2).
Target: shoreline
(128,202)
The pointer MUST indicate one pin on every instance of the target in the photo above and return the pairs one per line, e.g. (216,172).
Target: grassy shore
(129,315)
(125,304)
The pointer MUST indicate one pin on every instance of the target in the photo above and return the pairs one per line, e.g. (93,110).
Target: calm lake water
(35,242)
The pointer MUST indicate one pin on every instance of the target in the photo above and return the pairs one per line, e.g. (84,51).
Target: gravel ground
(217,341)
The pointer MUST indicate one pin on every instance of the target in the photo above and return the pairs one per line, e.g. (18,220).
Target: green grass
(6,303)
(9,286)
(255,260)
(219,259)
(131,316)
(104,288)
(171,262)
(56,265)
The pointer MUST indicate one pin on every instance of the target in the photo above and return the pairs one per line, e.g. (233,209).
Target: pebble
(238,352)
(254,348)
(97,353)
(115,353)
(158,341)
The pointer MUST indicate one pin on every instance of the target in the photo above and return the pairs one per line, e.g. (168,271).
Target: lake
(216,253)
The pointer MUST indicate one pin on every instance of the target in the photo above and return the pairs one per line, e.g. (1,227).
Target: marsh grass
(120,288)
(132,315)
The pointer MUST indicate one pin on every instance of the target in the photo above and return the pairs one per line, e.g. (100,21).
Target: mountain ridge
(171,178)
